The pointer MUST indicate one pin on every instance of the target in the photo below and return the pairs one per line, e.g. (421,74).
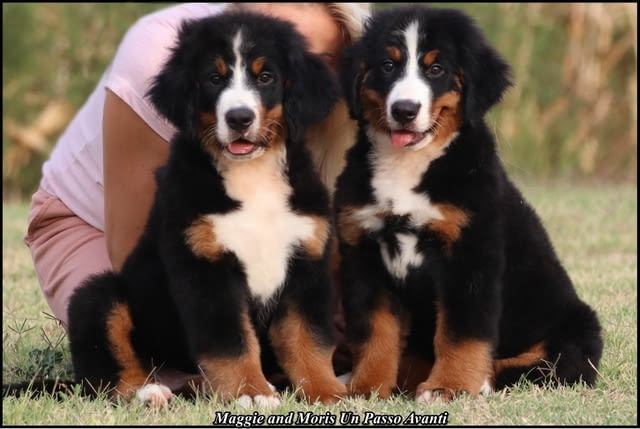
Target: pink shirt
(74,170)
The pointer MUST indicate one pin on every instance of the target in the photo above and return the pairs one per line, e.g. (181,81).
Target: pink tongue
(241,147)
(402,138)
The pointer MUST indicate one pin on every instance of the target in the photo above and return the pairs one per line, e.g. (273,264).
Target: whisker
(437,125)
(208,135)
(269,130)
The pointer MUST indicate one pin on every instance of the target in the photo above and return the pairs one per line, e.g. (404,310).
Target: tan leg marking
(233,377)
(350,222)
(376,361)
(449,228)
(306,363)
(133,375)
(316,244)
(201,239)
(460,366)
(532,356)
(349,228)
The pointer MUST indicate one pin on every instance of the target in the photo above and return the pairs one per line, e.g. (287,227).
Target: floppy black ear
(351,75)
(486,76)
(310,94)
(173,91)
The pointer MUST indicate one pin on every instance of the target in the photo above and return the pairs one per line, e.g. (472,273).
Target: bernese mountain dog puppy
(231,275)
(450,281)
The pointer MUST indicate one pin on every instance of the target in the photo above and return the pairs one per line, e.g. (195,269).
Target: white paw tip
(244,401)
(426,397)
(267,401)
(486,388)
(262,401)
(154,395)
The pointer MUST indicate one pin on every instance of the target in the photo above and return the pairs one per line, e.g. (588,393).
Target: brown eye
(265,78)
(435,70)
(215,78)
(387,66)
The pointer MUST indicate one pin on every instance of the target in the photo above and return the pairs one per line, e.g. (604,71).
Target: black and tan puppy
(232,268)
(450,281)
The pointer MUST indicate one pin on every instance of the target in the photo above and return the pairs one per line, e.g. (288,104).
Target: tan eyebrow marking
(258,63)
(430,57)
(221,66)
(394,53)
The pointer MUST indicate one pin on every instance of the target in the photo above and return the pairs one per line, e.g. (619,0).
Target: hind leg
(570,353)
(103,357)
(508,371)
(133,377)
(93,362)
(574,346)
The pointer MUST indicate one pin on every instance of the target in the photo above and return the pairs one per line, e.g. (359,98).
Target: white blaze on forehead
(410,86)
(238,93)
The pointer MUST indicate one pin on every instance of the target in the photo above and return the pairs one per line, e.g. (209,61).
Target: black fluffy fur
(502,281)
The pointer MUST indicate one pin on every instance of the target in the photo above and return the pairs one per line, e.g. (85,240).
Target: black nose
(240,118)
(404,111)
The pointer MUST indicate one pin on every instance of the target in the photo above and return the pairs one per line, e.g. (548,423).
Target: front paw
(425,396)
(259,393)
(432,390)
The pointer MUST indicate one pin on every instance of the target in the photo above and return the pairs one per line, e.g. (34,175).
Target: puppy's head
(419,73)
(242,83)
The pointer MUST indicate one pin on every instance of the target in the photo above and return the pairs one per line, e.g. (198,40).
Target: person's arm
(132,152)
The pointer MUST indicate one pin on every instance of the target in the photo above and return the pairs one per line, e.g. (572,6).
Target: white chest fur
(396,173)
(264,232)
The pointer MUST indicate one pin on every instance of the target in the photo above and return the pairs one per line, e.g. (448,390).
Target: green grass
(593,228)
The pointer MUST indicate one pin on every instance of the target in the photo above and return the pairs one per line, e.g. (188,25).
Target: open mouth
(242,147)
(404,138)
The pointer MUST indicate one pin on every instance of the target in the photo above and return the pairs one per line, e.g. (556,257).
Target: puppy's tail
(570,354)
(41,386)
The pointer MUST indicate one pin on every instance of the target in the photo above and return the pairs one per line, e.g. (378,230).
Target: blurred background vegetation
(572,113)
